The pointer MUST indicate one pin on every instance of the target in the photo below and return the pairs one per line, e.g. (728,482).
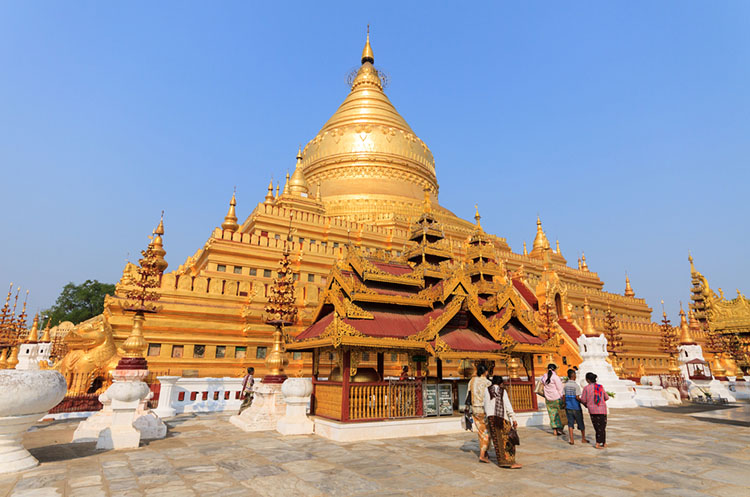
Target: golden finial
(692,266)
(298,184)
(588,322)
(540,241)
(628,289)
(663,312)
(685,337)
(135,345)
(277,190)
(12,358)
(477,217)
(367,55)
(46,334)
(269,194)
(160,228)
(584,266)
(286,184)
(34,333)
(557,247)
(525,252)
(230,220)
(157,244)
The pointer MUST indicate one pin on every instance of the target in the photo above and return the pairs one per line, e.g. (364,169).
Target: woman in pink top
(595,399)
(554,397)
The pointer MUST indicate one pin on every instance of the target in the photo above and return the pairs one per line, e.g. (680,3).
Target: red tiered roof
(521,337)
(466,340)
(526,293)
(569,328)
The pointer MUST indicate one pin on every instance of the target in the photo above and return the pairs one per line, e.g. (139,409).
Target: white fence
(184,395)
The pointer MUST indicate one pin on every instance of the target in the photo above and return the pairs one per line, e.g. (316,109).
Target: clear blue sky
(625,125)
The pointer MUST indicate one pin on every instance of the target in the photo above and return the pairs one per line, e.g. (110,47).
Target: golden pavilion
(357,190)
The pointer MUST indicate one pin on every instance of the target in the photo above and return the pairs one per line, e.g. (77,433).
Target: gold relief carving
(355,312)
(441,346)
(339,329)
(436,324)
(355,357)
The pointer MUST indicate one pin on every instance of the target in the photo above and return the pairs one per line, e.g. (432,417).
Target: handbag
(513,436)
(539,388)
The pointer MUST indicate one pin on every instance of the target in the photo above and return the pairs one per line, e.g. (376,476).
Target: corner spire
(540,241)
(157,243)
(477,217)
(686,337)
(298,184)
(230,220)
(367,55)
(628,289)
(588,322)
(269,194)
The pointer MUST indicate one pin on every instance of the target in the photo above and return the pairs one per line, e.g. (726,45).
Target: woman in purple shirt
(595,398)
(554,398)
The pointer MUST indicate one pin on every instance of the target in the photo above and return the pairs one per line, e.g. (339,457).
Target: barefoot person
(477,386)
(247,390)
(500,420)
(573,406)
(595,399)
(553,398)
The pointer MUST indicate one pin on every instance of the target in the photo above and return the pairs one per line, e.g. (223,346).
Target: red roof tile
(463,339)
(396,324)
(315,329)
(526,293)
(569,328)
(394,268)
(522,337)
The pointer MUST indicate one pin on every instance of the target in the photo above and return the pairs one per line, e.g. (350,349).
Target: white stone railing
(184,395)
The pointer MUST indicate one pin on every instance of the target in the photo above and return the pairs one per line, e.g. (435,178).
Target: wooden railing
(385,400)
(522,396)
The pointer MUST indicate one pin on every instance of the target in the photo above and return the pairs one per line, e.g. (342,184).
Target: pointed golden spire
(34,333)
(692,266)
(158,245)
(277,190)
(525,252)
(367,55)
(286,184)
(230,220)
(628,289)
(46,337)
(588,322)
(584,266)
(686,337)
(540,241)
(477,217)
(269,194)
(12,358)
(298,184)
(557,247)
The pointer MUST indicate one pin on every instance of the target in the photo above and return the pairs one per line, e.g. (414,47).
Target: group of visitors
(492,412)
(564,400)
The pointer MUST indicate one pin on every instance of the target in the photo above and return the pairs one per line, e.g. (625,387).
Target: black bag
(513,437)
(467,422)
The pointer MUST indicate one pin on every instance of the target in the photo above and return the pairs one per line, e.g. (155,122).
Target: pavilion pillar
(439,368)
(532,379)
(345,370)
(381,365)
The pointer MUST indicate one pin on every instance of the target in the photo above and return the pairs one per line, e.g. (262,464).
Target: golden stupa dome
(366,158)
(297,183)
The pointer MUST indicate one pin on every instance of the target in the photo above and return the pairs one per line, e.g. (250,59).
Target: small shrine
(431,310)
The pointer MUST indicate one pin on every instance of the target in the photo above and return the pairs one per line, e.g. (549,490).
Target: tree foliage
(78,303)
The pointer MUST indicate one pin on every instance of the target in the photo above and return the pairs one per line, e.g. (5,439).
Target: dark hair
(591,377)
(251,370)
(405,368)
(497,380)
(571,371)
(481,369)
(550,368)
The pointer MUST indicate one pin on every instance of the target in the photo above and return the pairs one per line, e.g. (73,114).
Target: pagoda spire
(298,184)
(477,217)
(269,194)
(230,220)
(367,55)
(46,337)
(628,289)
(525,251)
(34,333)
(557,247)
(686,338)
(588,322)
(540,241)
(584,266)
(286,184)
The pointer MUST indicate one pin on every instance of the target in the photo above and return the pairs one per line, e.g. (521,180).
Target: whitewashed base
(593,350)
(13,456)
(267,408)
(740,389)
(146,422)
(717,389)
(650,396)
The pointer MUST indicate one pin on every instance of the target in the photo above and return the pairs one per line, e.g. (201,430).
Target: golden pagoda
(362,182)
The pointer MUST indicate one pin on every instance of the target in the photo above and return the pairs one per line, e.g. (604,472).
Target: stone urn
(27,397)
(297,392)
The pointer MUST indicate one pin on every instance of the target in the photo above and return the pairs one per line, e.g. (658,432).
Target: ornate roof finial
(298,185)
(160,228)
(525,252)
(34,333)
(540,241)
(158,245)
(477,217)
(230,220)
(277,190)
(588,322)
(692,267)
(269,194)
(584,266)
(286,184)
(46,337)
(557,247)
(367,55)
(628,289)
(663,312)
(685,336)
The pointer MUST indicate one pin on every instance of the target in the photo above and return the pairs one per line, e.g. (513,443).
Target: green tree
(78,303)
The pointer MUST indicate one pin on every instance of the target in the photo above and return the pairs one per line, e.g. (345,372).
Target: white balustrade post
(166,393)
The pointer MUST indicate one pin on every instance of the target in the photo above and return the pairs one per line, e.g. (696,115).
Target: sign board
(430,399)
(445,399)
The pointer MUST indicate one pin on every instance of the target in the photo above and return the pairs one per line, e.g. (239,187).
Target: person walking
(595,398)
(247,390)
(554,398)
(573,407)
(477,386)
(500,420)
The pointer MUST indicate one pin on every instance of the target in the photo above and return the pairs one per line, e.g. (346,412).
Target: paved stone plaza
(652,452)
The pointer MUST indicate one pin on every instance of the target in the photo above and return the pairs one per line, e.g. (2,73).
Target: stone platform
(653,451)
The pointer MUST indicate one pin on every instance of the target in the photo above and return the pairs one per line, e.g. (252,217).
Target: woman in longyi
(500,420)
(477,386)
